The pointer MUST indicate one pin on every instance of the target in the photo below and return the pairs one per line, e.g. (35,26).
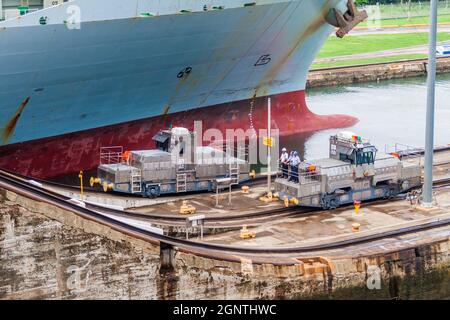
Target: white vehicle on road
(443,50)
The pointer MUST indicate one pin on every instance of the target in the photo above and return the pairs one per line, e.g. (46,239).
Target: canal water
(389,112)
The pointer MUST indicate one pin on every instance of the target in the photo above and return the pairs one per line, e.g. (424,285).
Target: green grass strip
(349,45)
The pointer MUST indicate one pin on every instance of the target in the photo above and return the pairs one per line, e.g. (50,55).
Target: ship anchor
(348,20)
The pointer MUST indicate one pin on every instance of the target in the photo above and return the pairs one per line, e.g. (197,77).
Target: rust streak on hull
(8,130)
(296,43)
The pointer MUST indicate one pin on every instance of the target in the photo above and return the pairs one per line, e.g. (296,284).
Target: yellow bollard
(247,234)
(186,208)
(355,227)
(81,184)
(357,205)
(269,197)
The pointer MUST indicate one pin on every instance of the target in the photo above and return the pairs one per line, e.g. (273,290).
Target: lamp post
(429,135)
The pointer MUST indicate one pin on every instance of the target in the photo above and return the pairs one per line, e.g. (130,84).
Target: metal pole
(429,136)
(81,185)
(217,196)
(269,160)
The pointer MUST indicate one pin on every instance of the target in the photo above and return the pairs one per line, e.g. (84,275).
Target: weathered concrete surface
(41,258)
(49,253)
(374,72)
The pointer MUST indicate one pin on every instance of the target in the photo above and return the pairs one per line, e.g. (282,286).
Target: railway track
(274,213)
(210,220)
(249,218)
(38,194)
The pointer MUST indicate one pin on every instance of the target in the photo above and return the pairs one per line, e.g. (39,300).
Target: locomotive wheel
(392,193)
(386,193)
(330,202)
(152,193)
(333,204)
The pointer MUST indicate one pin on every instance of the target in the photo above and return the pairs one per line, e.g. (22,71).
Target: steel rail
(156,217)
(38,194)
(274,213)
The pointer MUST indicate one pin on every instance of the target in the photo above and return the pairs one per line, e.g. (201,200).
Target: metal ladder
(136,181)
(181,182)
(234,173)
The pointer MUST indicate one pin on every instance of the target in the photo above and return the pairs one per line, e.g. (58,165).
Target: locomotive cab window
(162,140)
(346,157)
(365,156)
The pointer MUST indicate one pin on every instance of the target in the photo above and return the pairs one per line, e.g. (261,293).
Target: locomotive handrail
(111,155)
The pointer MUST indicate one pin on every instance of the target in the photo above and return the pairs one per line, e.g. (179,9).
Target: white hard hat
(283,150)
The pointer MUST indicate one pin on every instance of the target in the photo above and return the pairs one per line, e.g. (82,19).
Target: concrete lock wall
(375,72)
(49,253)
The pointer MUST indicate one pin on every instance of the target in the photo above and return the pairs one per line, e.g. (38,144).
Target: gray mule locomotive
(354,171)
(151,173)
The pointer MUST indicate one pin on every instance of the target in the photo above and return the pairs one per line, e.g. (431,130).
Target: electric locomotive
(354,171)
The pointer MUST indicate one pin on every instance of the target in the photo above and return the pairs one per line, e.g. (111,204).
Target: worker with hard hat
(294,163)
(284,162)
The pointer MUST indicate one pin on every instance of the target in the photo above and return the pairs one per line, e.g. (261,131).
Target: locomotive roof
(113,167)
(328,163)
(161,136)
(150,153)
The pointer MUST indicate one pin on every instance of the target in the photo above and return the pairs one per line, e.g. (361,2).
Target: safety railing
(307,173)
(404,152)
(232,150)
(111,155)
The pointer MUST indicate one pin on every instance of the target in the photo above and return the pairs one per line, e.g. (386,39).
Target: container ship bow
(90,73)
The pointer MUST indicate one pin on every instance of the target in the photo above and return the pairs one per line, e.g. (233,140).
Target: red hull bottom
(69,153)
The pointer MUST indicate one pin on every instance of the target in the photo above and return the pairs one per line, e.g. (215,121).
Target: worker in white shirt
(294,163)
(284,162)
(291,154)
